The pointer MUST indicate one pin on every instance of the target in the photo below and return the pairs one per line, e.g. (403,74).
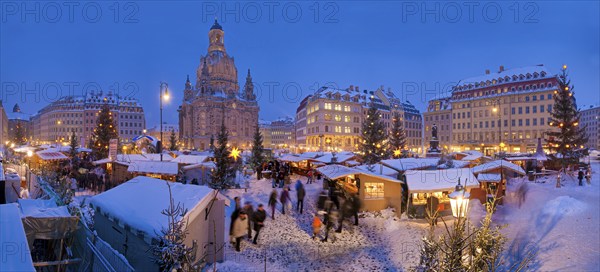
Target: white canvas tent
(129,218)
(15,254)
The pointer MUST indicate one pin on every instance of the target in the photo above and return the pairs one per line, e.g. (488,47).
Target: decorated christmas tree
(568,135)
(374,146)
(104,131)
(257,148)
(224,172)
(73,143)
(19,134)
(172,141)
(397,136)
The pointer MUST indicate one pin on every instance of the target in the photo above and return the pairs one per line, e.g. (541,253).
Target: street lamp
(29,154)
(459,201)
(163,96)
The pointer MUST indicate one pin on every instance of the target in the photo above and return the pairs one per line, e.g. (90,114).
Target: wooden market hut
(492,177)
(156,169)
(423,184)
(376,192)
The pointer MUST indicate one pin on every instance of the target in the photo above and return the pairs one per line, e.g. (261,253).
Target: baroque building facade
(502,111)
(590,120)
(331,119)
(215,99)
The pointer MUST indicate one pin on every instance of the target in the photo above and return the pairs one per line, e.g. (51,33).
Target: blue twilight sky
(49,49)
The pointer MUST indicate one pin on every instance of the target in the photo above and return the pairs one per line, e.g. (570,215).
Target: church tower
(215,38)
(188,92)
(249,89)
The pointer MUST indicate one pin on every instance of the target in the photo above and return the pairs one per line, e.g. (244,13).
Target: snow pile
(564,205)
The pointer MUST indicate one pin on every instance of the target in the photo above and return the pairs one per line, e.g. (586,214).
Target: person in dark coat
(249,210)
(234,214)
(321,200)
(580,177)
(259,220)
(259,172)
(273,203)
(300,193)
(333,195)
(284,198)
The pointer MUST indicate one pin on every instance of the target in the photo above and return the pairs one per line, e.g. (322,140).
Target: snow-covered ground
(562,224)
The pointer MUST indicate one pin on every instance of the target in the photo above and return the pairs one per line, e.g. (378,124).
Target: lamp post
(29,154)
(163,96)
(459,201)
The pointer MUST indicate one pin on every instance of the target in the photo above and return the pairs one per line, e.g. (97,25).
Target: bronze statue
(434,131)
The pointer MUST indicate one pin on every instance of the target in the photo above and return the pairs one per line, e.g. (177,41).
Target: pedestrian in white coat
(240,229)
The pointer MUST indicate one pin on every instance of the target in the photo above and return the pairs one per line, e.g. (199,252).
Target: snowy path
(562,224)
(377,244)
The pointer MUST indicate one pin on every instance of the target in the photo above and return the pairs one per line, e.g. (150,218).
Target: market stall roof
(143,157)
(456,164)
(310,155)
(139,202)
(209,164)
(427,181)
(520,158)
(42,208)
(493,165)
(51,156)
(352,163)
(13,233)
(489,177)
(292,158)
(335,171)
(472,155)
(410,163)
(153,167)
(378,169)
(340,157)
(189,159)
(24,149)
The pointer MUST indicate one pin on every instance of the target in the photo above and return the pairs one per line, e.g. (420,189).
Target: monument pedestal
(433,151)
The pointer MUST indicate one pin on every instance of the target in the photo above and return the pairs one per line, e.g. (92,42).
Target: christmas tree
(397,135)
(73,143)
(222,176)
(373,137)
(257,148)
(104,131)
(19,134)
(569,135)
(172,141)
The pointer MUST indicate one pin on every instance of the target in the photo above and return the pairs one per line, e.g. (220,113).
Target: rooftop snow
(140,201)
(425,181)
(489,166)
(378,169)
(341,157)
(489,177)
(13,233)
(41,208)
(154,167)
(509,72)
(335,171)
(410,163)
(51,156)
(190,159)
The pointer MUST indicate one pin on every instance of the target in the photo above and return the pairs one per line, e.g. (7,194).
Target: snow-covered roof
(411,163)
(51,156)
(456,164)
(472,155)
(352,163)
(310,155)
(378,169)
(42,208)
(489,177)
(13,233)
(208,164)
(143,157)
(519,158)
(292,158)
(341,157)
(139,202)
(539,69)
(489,166)
(424,181)
(335,171)
(189,159)
(24,149)
(153,167)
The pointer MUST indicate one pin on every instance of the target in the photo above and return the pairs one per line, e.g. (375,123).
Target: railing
(96,254)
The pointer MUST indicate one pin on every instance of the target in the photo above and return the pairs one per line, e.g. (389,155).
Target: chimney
(487,71)
(501,68)
(351,87)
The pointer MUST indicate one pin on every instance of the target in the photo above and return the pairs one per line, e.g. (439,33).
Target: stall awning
(153,167)
(410,163)
(336,171)
(497,164)
(190,159)
(291,158)
(429,181)
(51,156)
(489,177)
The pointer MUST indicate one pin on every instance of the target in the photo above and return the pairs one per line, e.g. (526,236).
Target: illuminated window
(327,106)
(327,117)
(338,107)
(373,190)
(346,129)
(338,129)
(347,119)
(338,118)
(346,108)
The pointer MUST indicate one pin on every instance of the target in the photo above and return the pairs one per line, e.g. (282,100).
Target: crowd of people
(246,222)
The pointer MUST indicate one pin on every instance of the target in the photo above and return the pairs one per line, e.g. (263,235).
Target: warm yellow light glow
(58,122)
(495,109)
(565,66)
(29,153)
(576,124)
(568,145)
(166,95)
(397,152)
(235,153)
(567,88)
(502,145)
(12,145)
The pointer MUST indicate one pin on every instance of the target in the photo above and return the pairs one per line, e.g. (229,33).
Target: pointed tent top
(216,25)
